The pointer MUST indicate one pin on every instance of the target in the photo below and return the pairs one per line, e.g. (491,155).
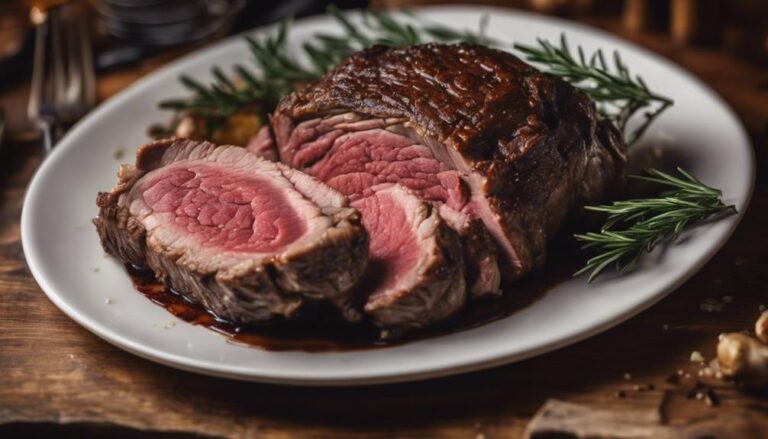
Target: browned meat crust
(322,265)
(528,144)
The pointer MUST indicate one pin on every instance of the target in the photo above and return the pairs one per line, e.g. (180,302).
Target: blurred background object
(644,15)
(2,126)
(125,34)
(165,22)
(129,33)
(561,7)
(63,79)
(698,21)
(13,28)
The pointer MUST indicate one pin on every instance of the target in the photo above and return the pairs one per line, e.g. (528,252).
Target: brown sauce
(319,335)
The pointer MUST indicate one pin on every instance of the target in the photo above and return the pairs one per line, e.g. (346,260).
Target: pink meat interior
(221,209)
(355,161)
(352,154)
(394,248)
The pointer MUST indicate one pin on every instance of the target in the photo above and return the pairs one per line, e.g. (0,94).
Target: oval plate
(700,132)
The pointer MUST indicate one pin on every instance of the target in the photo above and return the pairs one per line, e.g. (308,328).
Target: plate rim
(287,378)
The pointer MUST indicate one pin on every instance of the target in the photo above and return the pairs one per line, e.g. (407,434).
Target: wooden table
(55,375)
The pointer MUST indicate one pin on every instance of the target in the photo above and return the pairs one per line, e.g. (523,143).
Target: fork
(63,80)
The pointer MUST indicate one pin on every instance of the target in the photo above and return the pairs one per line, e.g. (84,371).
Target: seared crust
(327,268)
(527,143)
(464,96)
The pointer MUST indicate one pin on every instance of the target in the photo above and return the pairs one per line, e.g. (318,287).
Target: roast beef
(352,154)
(247,238)
(415,273)
(499,148)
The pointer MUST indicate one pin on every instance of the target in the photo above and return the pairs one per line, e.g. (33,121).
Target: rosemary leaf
(277,74)
(618,93)
(635,227)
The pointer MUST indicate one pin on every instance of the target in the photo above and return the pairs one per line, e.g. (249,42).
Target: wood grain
(58,377)
(584,422)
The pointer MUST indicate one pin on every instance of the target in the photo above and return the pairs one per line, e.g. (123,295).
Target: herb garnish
(633,227)
(637,226)
(277,73)
(618,93)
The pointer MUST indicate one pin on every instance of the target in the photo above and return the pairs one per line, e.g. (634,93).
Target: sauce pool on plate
(315,333)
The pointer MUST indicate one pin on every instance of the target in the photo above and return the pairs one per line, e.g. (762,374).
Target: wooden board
(56,376)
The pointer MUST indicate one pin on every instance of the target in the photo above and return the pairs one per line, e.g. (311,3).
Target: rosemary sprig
(277,73)
(224,97)
(618,93)
(634,227)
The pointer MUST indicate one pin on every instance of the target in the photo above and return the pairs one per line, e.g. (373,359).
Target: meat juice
(317,332)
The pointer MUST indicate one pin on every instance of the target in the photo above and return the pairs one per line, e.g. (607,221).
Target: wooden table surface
(56,375)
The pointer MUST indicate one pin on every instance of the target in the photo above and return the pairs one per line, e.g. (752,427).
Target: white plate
(700,132)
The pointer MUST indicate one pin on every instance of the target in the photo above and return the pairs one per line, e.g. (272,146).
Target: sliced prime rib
(247,238)
(415,272)
(500,148)
(351,154)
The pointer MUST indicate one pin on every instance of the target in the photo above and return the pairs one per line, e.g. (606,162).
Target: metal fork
(63,79)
